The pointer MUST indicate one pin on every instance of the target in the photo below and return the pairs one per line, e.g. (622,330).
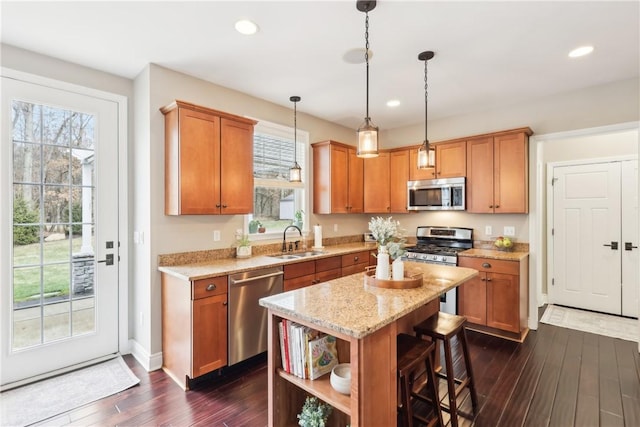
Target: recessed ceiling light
(246,27)
(393,103)
(580,51)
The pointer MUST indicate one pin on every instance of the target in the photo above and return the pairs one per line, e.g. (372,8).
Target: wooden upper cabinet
(511,173)
(236,167)
(451,162)
(497,173)
(398,177)
(377,183)
(480,175)
(451,159)
(338,176)
(208,161)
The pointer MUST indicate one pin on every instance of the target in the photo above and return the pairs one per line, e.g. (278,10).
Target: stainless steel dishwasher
(247,319)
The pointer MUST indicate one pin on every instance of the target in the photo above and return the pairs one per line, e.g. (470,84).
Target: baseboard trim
(150,362)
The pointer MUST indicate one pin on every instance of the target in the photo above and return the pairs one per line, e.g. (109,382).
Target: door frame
(123,206)
(537,212)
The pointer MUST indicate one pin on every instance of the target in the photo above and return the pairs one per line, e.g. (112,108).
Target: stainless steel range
(440,245)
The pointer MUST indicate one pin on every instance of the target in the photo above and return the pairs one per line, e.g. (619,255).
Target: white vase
(382,268)
(397,268)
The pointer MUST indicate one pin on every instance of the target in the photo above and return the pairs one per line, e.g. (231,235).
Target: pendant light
(367,132)
(295,173)
(426,153)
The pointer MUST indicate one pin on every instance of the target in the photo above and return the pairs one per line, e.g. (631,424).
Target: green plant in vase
(243,246)
(254,224)
(315,413)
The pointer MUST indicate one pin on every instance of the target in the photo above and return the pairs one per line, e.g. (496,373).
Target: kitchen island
(365,320)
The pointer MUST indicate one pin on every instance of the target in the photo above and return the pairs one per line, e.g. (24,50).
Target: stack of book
(306,353)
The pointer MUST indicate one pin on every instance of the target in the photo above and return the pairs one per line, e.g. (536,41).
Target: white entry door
(59,236)
(630,237)
(586,237)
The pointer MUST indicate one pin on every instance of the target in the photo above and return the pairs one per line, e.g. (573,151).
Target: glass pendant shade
(295,173)
(426,157)
(367,140)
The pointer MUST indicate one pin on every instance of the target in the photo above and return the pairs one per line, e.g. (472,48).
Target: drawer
(490,265)
(325,276)
(299,282)
(355,258)
(298,269)
(204,288)
(353,269)
(326,264)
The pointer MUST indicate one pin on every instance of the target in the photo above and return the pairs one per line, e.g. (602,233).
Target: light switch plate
(488,230)
(510,231)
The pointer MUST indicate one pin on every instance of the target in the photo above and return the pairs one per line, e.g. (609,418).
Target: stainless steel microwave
(447,194)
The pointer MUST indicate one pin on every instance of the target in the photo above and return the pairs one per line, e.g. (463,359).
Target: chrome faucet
(284,238)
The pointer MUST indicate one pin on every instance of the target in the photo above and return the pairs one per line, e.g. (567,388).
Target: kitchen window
(275,199)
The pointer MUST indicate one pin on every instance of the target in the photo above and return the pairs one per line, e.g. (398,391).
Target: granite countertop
(348,306)
(493,254)
(221,267)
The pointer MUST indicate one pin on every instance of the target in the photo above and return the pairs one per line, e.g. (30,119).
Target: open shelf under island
(365,320)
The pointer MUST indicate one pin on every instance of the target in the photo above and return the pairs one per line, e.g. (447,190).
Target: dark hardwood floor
(556,377)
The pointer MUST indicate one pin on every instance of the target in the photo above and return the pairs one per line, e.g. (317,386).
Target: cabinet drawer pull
(355,258)
(211,287)
(486,265)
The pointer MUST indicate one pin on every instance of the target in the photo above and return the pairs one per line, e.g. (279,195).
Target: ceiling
(487,54)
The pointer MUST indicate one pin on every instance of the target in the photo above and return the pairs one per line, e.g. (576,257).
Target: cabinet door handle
(484,279)
(218,205)
(629,246)
(486,265)
(224,206)
(225,303)
(211,287)
(613,246)
(490,206)
(497,206)
(488,279)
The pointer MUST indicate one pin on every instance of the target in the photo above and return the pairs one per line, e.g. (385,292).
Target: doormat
(588,321)
(54,396)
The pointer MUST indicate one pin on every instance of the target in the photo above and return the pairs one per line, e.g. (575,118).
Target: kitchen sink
(298,255)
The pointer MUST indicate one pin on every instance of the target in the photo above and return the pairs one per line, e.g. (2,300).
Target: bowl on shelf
(341,378)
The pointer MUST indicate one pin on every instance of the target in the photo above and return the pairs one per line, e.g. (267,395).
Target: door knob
(613,246)
(629,246)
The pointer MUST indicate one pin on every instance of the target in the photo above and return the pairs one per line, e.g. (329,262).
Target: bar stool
(415,357)
(444,326)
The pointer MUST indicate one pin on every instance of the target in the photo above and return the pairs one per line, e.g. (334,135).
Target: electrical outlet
(335,227)
(510,231)
(216,235)
(488,230)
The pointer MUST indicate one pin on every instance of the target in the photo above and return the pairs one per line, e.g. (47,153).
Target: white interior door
(586,237)
(630,237)
(59,184)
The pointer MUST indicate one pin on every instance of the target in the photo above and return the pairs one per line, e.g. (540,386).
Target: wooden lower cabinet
(194,327)
(498,297)
(307,273)
(355,263)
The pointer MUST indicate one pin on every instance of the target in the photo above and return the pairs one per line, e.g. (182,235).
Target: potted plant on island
(243,246)
(315,413)
(253,226)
